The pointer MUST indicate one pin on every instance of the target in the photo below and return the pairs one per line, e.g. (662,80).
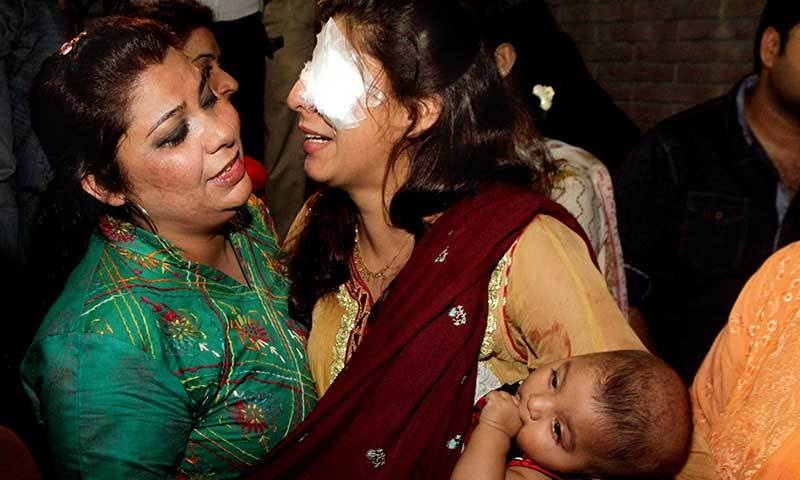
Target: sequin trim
(495,284)
(348,321)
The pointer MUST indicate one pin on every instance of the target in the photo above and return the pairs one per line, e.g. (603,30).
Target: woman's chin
(315,173)
(239,194)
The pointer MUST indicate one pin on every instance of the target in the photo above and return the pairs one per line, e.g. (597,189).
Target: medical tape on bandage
(334,84)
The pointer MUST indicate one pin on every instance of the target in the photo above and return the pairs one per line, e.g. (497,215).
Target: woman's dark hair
(428,50)
(529,25)
(180,16)
(80,110)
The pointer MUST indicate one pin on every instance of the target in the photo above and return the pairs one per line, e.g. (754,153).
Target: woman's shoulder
(256,220)
(787,259)
(544,241)
(99,299)
(546,235)
(575,158)
(557,297)
(65,315)
(544,249)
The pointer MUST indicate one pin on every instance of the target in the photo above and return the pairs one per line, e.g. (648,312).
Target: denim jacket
(696,204)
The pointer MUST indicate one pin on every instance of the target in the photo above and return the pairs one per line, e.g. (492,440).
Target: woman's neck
(378,236)
(208,248)
(382,247)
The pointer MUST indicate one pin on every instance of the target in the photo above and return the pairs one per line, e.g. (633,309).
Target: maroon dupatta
(402,405)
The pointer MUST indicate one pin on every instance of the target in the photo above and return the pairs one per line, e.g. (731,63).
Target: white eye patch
(334,84)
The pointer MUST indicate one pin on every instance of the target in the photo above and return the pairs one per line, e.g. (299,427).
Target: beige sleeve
(325,324)
(557,301)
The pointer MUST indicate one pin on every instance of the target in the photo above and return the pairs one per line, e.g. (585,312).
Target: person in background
(551,78)
(293,22)
(710,193)
(169,351)
(239,30)
(746,394)
(583,183)
(583,186)
(193,24)
(30,30)
(618,414)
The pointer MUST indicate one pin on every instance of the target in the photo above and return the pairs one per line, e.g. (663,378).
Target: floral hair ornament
(545,93)
(70,44)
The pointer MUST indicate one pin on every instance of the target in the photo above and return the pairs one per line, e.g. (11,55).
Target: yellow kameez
(551,302)
(547,301)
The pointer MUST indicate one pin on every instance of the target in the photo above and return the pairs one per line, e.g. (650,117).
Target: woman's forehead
(163,86)
(201,41)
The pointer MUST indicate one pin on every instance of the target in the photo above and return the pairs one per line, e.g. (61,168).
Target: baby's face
(558,417)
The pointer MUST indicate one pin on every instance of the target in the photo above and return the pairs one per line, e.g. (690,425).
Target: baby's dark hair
(646,422)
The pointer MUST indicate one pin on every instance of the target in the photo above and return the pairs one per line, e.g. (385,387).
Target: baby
(614,414)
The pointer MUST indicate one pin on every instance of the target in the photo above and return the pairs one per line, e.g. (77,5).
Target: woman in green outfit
(169,352)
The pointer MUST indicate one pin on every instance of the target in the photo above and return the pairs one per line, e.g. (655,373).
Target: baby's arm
(484,457)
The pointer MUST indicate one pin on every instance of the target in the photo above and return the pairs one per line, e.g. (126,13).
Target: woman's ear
(505,56)
(90,186)
(429,110)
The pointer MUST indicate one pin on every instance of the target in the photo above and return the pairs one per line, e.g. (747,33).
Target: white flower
(545,94)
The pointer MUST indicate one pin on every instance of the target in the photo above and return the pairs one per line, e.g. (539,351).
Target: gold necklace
(362,267)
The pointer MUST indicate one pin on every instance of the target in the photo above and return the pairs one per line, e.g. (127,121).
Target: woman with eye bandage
(169,352)
(431,267)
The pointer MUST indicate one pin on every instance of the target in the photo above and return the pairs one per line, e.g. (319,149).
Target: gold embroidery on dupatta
(343,335)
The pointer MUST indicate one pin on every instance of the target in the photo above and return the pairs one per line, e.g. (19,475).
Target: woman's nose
(222,83)
(222,130)
(295,99)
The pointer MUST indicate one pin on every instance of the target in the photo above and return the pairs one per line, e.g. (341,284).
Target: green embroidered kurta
(150,366)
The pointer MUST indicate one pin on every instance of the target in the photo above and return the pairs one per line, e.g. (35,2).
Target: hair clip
(70,44)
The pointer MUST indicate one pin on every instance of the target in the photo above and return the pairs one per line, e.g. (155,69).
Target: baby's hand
(502,412)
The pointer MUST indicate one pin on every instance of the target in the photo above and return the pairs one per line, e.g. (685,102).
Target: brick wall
(656,57)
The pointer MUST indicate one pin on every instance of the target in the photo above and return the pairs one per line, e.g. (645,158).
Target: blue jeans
(29,33)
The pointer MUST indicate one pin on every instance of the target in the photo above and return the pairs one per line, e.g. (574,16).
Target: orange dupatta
(746,395)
